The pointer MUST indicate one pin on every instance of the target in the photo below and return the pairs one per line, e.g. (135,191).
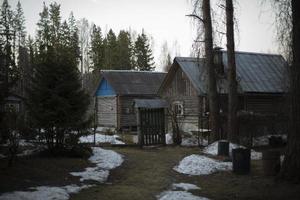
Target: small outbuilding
(117,89)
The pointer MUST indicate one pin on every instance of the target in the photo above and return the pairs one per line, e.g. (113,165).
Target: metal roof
(150,103)
(126,82)
(256,73)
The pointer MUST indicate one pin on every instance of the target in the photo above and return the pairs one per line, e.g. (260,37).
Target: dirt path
(147,173)
(143,175)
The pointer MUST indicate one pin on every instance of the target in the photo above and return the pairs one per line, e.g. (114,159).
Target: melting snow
(44,193)
(105,160)
(201,165)
(264,140)
(189,141)
(100,138)
(212,149)
(181,195)
(185,186)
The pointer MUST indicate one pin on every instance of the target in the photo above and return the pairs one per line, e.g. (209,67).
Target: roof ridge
(132,71)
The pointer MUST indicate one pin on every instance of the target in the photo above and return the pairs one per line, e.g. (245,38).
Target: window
(12,107)
(178,108)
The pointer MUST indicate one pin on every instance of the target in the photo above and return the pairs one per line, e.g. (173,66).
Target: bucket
(271,162)
(223,148)
(241,160)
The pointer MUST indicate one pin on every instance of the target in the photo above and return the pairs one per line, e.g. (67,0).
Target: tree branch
(195,16)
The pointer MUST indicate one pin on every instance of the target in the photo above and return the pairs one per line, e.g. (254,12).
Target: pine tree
(143,54)
(124,51)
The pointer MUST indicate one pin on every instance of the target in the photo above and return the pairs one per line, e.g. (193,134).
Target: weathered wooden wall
(180,89)
(107,111)
(127,115)
(265,103)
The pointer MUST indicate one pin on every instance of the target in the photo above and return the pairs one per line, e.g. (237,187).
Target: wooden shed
(116,92)
(262,86)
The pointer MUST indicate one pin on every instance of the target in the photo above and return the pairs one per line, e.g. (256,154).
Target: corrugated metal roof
(134,82)
(150,103)
(256,73)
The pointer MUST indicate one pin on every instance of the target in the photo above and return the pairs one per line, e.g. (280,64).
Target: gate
(151,126)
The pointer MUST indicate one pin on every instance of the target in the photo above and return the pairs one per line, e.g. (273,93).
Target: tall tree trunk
(291,165)
(232,87)
(209,62)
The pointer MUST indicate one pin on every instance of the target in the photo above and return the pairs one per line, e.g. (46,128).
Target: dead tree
(232,131)
(291,165)
(214,110)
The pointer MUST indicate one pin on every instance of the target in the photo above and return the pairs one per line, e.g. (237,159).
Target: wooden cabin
(261,86)
(116,92)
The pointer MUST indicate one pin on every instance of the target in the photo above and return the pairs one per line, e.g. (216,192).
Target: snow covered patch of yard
(100,138)
(201,165)
(212,149)
(185,186)
(105,160)
(104,129)
(181,195)
(264,140)
(44,193)
(187,141)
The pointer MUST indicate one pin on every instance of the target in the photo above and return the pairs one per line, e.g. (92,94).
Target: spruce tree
(124,51)
(56,100)
(43,34)
(111,56)
(9,70)
(143,54)
(19,21)
(96,50)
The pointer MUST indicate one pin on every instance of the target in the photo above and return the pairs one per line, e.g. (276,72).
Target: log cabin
(262,86)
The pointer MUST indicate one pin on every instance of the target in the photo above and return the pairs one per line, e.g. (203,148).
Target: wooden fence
(151,126)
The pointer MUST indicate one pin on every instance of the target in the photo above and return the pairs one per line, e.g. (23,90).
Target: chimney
(218,60)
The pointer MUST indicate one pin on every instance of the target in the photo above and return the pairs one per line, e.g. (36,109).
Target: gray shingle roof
(256,73)
(134,82)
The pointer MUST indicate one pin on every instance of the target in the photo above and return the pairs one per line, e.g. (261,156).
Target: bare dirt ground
(31,171)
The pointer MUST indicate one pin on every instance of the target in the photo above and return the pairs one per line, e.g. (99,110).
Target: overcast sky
(164,20)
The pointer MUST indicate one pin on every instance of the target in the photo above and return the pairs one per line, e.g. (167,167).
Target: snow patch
(212,149)
(185,186)
(264,140)
(188,141)
(179,195)
(201,165)
(100,138)
(105,160)
(44,193)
